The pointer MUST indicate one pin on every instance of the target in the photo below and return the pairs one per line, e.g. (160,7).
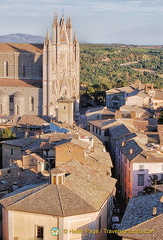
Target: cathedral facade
(38,79)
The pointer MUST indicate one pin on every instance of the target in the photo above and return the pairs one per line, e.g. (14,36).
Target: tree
(153,181)
(160,120)
(7,133)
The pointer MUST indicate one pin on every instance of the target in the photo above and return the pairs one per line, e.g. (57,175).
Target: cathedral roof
(10,82)
(21,47)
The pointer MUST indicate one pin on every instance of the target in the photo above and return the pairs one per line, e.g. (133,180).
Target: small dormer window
(141,167)
(57,178)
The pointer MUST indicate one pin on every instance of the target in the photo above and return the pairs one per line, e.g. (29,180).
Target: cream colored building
(78,203)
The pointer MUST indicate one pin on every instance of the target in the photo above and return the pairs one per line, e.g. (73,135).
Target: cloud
(35,8)
(101,20)
(127,6)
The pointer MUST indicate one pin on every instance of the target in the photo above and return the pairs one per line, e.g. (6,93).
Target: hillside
(108,66)
(105,66)
(21,38)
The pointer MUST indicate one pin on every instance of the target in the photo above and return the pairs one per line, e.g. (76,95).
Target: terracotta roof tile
(21,47)
(78,195)
(11,82)
(139,216)
(31,120)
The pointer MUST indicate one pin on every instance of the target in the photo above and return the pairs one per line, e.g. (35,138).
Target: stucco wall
(7,156)
(22,100)
(32,62)
(149,169)
(23,225)
(67,152)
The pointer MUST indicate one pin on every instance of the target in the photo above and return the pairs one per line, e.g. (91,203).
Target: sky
(94,21)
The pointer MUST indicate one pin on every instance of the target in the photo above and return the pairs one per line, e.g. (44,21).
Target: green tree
(160,120)
(153,181)
(7,133)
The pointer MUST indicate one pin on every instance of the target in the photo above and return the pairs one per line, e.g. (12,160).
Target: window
(141,167)
(31,104)
(129,176)
(40,70)
(12,151)
(39,232)
(0,108)
(115,98)
(125,170)
(99,226)
(17,110)
(6,66)
(97,116)
(64,107)
(96,129)
(106,133)
(24,72)
(11,99)
(161,177)
(93,129)
(99,131)
(140,179)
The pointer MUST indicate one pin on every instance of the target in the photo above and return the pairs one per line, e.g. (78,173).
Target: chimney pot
(154,211)
(131,151)
(123,143)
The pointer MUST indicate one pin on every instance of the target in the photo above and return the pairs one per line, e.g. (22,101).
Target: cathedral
(41,79)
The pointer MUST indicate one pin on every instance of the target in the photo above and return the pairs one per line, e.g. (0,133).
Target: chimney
(154,211)
(57,177)
(131,151)
(123,144)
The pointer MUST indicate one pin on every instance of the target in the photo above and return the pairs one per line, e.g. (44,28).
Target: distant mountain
(21,38)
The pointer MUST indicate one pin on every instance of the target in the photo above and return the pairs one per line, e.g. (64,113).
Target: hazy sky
(96,21)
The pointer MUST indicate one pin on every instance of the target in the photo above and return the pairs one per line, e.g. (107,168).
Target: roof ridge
(31,140)
(59,196)
(79,196)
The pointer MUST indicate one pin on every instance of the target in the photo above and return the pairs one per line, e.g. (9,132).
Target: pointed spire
(55,21)
(47,38)
(69,24)
(75,38)
(62,18)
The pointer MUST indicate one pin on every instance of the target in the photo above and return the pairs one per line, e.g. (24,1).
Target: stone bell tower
(60,67)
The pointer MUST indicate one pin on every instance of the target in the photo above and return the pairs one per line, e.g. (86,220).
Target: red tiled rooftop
(10,82)
(21,47)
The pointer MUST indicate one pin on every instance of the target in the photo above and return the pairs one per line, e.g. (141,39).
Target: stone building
(77,199)
(33,77)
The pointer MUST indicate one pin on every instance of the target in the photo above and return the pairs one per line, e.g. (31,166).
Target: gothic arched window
(11,99)
(6,68)
(0,108)
(17,109)
(31,103)
(24,72)
(115,98)
(41,70)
